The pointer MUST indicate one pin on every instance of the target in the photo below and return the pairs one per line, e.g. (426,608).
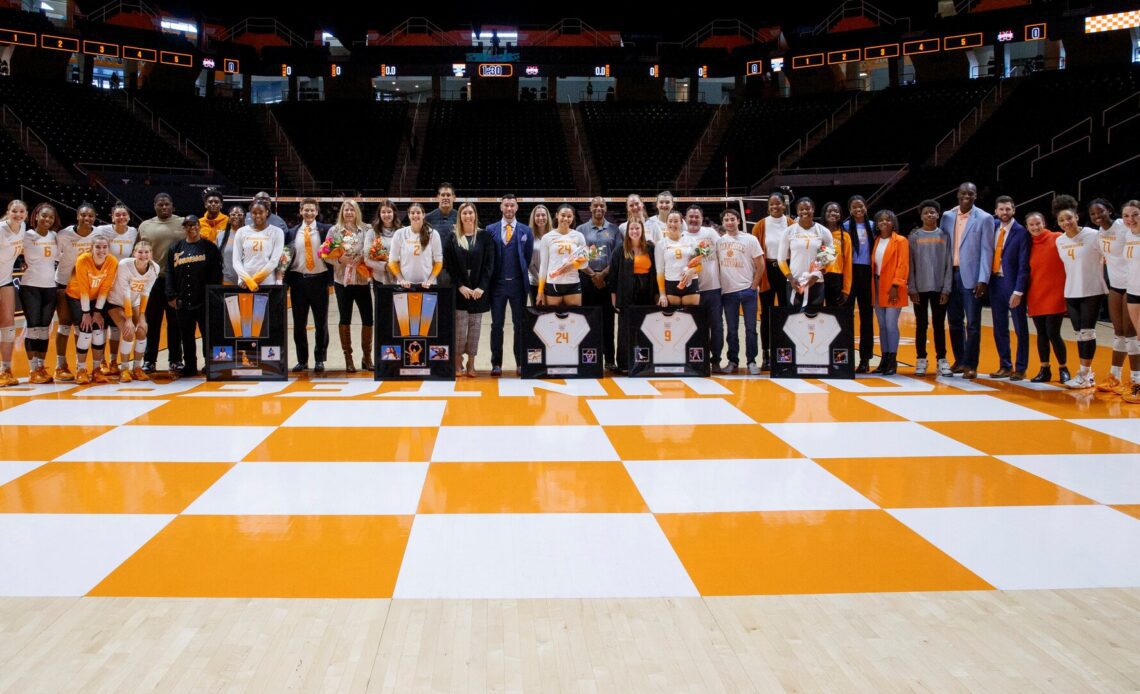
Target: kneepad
(1133,347)
(83,341)
(97,337)
(64,329)
(1119,343)
(8,334)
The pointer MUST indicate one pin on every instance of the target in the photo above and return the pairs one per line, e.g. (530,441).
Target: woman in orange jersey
(890,269)
(127,307)
(87,298)
(837,276)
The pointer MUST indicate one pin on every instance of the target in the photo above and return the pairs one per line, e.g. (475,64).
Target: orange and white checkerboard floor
(612,488)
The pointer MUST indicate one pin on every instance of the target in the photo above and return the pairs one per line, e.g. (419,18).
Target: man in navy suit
(514,246)
(971,234)
(1008,281)
(308,282)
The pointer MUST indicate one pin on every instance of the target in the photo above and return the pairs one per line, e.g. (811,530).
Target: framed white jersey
(563,343)
(818,344)
(415,333)
(667,342)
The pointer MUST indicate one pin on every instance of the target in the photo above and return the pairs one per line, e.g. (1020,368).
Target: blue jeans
(504,292)
(888,328)
(733,301)
(965,315)
(1001,289)
(711,303)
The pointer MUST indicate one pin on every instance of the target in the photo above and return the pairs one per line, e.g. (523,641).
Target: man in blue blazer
(308,282)
(972,246)
(1008,281)
(514,246)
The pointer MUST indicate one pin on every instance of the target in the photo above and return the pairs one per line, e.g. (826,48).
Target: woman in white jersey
(37,288)
(1130,214)
(798,249)
(73,242)
(417,253)
(11,247)
(672,257)
(557,249)
(1080,252)
(121,237)
(352,280)
(257,249)
(127,307)
(1113,235)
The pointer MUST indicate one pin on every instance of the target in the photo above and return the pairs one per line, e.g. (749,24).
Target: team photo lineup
(97,282)
(505,347)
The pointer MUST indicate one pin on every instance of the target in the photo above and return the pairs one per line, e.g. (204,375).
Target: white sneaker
(920,367)
(944,368)
(753,369)
(1080,382)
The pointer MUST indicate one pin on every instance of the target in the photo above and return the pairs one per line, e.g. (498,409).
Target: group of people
(115,284)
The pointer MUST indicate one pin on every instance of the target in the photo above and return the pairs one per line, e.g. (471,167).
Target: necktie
(508,234)
(997,251)
(309,264)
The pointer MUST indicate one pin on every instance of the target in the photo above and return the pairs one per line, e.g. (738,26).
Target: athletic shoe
(1124,389)
(1080,382)
(920,367)
(99,377)
(1133,394)
(7,379)
(730,369)
(944,368)
(81,376)
(124,375)
(138,374)
(148,366)
(753,369)
(1108,385)
(64,375)
(39,376)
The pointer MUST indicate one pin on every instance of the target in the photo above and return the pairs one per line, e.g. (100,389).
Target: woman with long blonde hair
(346,251)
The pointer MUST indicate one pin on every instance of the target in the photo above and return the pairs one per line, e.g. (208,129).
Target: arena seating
(491,147)
(86,124)
(899,125)
(760,130)
(637,147)
(351,144)
(228,129)
(18,169)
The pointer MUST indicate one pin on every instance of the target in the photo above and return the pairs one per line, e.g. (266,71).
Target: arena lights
(1035,32)
(459,69)
(886,50)
(1005,35)
(655,71)
(777,64)
(962,42)
(391,71)
(601,71)
(496,70)
(176,59)
(753,68)
(231,66)
(209,63)
(59,43)
(1111,22)
(532,71)
(15,37)
(145,55)
(849,55)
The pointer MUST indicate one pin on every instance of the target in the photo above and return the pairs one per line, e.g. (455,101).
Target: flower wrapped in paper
(352,255)
(331,249)
(578,260)
(286,259)
(378,252)
(702,250)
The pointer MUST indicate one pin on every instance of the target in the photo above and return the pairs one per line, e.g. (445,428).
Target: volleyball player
(73,242)
(560,245)
(126,303)
(798,249)
(384,227)
(768,232)
(1130,213)
(122,237)
(417,253)
(87,293)
(257,249)
(1113,237)
(38,289)
(11,247)
(677,283)
(1080,251)
(541,225)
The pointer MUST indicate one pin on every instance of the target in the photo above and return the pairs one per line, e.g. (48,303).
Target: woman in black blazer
(469,258)
(633,282)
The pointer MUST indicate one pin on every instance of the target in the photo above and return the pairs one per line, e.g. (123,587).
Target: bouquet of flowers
(378,252)
(331,248)
(826,256)
(703,250)
(578,260)
(286,259)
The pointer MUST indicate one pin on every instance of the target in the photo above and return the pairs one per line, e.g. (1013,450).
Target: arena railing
(1081,183)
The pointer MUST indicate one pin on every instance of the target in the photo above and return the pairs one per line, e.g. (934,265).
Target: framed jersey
(563,343)
(245,334)
(816,344)
(667,341)
(415,333)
